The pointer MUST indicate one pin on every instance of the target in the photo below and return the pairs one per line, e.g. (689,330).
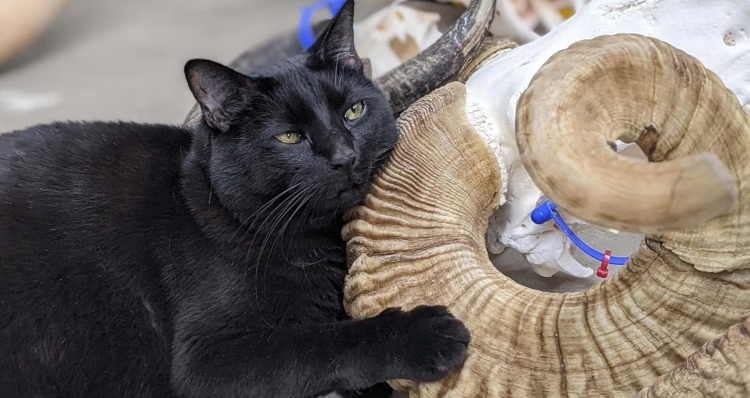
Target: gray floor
(123,60)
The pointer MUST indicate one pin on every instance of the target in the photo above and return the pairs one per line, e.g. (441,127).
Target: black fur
(152,261)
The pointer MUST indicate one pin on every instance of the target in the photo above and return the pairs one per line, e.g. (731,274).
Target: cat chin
(356,193)
(351,198)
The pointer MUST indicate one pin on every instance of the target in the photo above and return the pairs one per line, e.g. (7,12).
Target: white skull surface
(395,34)
(717,33)
(527,20)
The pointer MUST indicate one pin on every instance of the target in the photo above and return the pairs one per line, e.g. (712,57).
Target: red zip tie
(602,272)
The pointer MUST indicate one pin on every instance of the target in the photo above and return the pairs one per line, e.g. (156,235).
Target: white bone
(716,32)
(394,35)
(518,19)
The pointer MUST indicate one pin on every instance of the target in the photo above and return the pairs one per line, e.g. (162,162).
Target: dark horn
(440,63)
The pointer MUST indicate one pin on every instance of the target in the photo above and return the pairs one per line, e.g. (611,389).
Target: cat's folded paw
(434,343)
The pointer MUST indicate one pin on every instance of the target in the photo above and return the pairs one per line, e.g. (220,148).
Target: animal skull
(394,35)
(520,20)
(420,236)
(717,33)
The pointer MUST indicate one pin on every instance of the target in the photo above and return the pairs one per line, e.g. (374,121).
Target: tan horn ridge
(419,239)
(721,368)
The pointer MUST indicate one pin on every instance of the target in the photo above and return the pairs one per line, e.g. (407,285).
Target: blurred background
(112,59)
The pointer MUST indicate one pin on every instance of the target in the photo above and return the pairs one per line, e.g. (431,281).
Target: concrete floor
(123,60)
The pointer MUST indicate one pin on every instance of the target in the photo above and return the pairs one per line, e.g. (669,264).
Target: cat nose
(343,159)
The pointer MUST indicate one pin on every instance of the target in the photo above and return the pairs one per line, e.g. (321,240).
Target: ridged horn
(643,93)
(689,125)
(419,237)
(721,368)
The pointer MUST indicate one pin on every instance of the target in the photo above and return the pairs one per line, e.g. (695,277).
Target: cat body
(156,261)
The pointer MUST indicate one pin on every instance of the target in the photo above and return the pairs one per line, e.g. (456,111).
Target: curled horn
(419,238)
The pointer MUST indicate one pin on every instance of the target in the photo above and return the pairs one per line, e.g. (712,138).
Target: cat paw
(434,343)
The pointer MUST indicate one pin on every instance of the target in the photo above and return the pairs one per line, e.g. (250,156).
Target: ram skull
(394,35)
(717,33)
(419,238)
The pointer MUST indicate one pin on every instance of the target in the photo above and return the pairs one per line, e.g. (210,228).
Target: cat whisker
(260,226)
(265,206)
(302,203)
(269,203)
(336,211)
(284,206)
(384,151)
(279,218)
(279,208)
(262,208)
(309,208)
(270,232)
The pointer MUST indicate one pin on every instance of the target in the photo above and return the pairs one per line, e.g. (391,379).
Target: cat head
(308,134)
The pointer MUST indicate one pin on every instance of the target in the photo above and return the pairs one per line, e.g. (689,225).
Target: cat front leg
(253,359)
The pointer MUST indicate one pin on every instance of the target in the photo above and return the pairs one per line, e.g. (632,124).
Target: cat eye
(355,111)
(289,138)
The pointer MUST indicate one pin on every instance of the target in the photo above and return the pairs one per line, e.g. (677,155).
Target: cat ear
(336,44)
(220,91)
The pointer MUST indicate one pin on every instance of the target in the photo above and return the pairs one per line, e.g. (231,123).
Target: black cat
(153,261)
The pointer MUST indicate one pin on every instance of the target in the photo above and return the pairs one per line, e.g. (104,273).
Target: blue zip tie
(305,31)
(548,210)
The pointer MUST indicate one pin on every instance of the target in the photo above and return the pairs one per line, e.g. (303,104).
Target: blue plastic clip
(548,211)
(305,32)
